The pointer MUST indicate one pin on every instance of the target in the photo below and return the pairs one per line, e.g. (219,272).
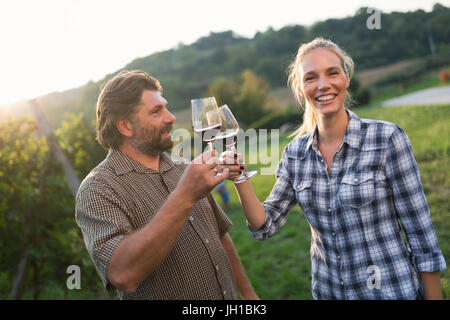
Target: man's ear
(125,127)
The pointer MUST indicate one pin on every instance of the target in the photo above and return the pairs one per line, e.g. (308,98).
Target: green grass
(279,268)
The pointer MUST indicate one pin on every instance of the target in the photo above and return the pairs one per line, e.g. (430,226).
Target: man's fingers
(222,177)
(209,154)
(204,157)
(212,163)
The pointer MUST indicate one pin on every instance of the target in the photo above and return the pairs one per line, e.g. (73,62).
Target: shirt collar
(312,139)
(352,135)
(123,163)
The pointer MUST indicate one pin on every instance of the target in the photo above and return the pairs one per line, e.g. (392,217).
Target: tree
(38,234)
(253,97)
(246,97)
(35,204)
(77,139)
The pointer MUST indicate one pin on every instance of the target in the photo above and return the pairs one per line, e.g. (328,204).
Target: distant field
(279,268)
(370,76)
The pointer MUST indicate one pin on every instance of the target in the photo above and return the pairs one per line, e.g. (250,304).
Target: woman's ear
(300,92)
(348,79)
(125,127)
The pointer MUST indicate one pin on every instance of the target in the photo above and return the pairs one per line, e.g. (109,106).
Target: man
(151,226)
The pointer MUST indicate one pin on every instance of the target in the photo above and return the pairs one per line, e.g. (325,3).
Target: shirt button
(333,233)
(217,268)
(206,241)
(329,210)
(338,257)
(191,218)
(342,283)
(356,180)
(224,292)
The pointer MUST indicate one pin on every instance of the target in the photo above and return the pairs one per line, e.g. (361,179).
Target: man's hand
(132,261)
(234,163)
(200,177)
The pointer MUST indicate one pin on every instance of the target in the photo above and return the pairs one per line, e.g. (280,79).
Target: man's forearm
(133,262)
(244,286)
(431,285)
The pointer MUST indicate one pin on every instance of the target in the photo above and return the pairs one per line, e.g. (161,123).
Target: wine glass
(228,133)
(205,118)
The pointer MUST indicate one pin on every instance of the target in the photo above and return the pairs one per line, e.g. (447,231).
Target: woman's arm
(264,219)
(431,285)
(412,208)
(253,209)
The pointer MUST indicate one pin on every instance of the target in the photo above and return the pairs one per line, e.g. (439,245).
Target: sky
(55,45)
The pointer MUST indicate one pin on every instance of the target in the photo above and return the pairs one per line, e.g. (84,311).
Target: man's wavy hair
(119,98)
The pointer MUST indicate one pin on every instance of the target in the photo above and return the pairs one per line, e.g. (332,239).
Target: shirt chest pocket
(303,192)
(357,190)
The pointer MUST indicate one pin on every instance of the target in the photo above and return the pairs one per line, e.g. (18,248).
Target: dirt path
(438,95)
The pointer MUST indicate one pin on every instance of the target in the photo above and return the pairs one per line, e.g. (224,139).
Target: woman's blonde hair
(294,80)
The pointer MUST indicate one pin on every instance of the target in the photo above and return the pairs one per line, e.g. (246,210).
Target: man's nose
(170,118)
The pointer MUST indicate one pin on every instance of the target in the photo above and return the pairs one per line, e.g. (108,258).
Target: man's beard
(148,140)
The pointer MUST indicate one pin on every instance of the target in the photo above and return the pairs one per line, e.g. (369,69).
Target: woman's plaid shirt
(357,211)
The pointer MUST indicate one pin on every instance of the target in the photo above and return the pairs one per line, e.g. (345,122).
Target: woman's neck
(331,129)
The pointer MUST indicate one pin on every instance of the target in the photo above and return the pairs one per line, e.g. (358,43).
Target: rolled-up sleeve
(280,201)
(411,205)
(101,217)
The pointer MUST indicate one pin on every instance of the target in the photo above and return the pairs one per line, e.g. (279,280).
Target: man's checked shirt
(356,213)
(121,196)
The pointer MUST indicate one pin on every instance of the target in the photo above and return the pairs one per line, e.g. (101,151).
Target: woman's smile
(326,99)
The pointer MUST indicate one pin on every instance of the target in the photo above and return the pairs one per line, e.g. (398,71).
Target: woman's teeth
(325,98)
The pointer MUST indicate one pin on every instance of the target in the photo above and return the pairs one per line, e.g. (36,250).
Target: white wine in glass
(228,133)
(205,118)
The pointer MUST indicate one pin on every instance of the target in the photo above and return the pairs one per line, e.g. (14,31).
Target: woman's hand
(234,162)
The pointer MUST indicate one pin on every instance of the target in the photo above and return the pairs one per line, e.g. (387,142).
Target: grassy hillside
(279,268)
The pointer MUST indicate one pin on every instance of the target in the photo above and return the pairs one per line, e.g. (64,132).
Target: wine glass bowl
(205,119)
(229,130)
(230,126)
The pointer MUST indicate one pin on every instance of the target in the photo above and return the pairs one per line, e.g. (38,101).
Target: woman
(354,180)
